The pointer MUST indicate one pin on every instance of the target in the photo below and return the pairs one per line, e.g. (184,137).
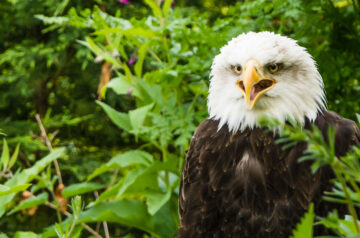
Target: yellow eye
(273,68)
(237,69)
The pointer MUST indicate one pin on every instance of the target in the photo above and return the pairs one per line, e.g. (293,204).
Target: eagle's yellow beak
(253,83)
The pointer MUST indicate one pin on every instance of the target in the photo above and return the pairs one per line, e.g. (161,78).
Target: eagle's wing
(191,194)
(347,135)
(347,132)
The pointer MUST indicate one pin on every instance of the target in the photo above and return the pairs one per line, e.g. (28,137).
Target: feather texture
(242,184)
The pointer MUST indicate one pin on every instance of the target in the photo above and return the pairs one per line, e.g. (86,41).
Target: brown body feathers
(244,185)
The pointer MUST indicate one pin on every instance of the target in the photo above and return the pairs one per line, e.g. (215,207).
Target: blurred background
(110,92)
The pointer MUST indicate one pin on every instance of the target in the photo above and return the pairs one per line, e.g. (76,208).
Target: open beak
(253,83)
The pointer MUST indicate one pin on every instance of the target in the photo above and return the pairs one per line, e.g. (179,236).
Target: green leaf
(304,229)
(31,202)
(25,234)
(4,155)
(132,213)
(166,7)
(81,188)
(5,190)
(155,8)
(133,157)
(122,87)
(14,156)
(98,51)
(120,119)
(119,85)
(27,175)
(2,235)
(155,200)
(141,56)
(136,31)
(138,116)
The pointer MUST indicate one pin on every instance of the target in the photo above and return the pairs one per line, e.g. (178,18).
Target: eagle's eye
(237,69)
(273,68)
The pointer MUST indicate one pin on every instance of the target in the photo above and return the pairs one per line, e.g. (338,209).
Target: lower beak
(253,83)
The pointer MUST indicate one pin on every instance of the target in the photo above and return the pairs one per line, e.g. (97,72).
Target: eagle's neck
(238,118)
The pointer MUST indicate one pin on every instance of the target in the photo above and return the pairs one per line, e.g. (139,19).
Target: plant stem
(338,171)
(48,143)
(154,55)
(71,228)
(88,228)
(106,229)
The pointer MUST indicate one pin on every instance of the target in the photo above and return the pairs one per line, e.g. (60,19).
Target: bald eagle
(236,181)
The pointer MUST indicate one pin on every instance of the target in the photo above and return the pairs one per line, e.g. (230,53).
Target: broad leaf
(133,157)
(120,119)
(138,116)
(121,186)
(25,234)
(5,190)
(31,202)
(155,200)
(81,188)
(132,213)
(141,56)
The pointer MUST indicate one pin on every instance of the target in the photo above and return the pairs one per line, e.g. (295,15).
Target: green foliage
(124,152)
(31,202)
(21,179)
(305,228)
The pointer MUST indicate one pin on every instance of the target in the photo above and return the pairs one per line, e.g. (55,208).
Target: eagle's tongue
(253,93)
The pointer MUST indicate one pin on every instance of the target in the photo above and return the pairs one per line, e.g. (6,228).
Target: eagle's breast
(244,185)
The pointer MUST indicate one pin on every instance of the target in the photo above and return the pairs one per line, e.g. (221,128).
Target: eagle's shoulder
(347,133)
(206,128)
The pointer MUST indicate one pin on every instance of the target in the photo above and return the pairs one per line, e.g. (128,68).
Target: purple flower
(173,3)
(131,61)
(124,1)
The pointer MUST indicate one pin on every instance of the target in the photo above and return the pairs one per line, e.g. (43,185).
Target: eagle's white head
(264,74)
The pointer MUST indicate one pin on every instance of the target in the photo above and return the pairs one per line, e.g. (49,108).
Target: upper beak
(253,83)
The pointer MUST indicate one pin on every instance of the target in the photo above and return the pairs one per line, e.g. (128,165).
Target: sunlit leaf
(4,155)
(25,234)
(155,8)
(133,157)
(138,115)
(2,235)
(5,190)
(14,156)
(120,119)
(304,229)
(81,188)
(155,200)
(166,7)
(141,56)
(31,202)
(132,213)
(122,87)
